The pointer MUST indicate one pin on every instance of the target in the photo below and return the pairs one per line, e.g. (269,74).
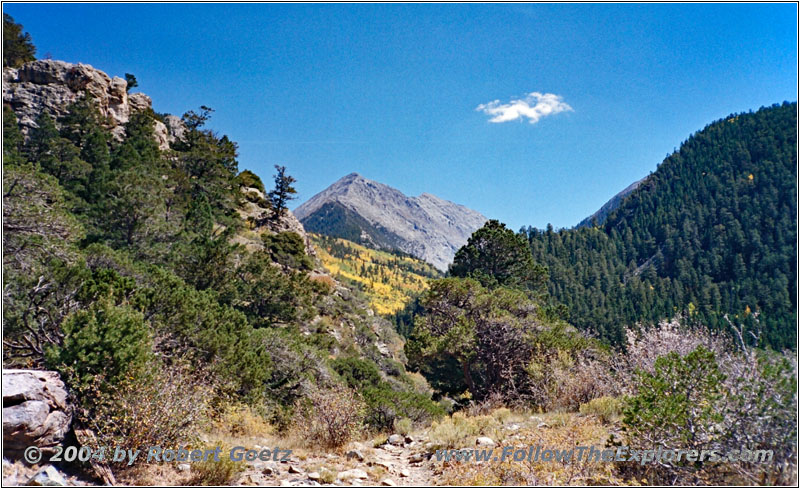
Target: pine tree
(282,193)
(18,47)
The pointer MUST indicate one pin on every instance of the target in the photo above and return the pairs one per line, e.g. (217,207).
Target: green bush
(385,405)
(676,405)
(105,340)
(250,179)
(209,333)
(356,372)
(288,249)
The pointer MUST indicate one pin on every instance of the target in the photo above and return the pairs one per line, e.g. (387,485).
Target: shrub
(760,411)
(105,340)
(249,179)
(676,404)
(356,372)
(750,402)
(330,418)
(384,405)
(163,410)
(210,333)
(242,420)
(403,426)
(644,347)
(585,377)
(215,473)
(287,249)
(327,476)
(606,408)
(453,431)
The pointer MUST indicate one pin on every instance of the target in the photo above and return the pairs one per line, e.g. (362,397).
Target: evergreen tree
(282,193)
(12,138)
(496,256)
(132,83)
(18,47)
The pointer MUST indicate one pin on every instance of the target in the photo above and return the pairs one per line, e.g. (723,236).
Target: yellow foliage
(394,281)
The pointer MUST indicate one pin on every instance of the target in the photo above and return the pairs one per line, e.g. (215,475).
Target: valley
(157,293)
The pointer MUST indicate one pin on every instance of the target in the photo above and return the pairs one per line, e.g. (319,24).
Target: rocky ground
(399,462)
(395,460)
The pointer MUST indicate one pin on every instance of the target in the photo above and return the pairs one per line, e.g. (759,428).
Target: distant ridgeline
(712,231)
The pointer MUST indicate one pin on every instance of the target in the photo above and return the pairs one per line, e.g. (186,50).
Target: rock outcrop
(255,212)
(35,410)
(380,216)
(50,86)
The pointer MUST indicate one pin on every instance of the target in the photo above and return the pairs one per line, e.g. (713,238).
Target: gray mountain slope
(370,212)
(608,207)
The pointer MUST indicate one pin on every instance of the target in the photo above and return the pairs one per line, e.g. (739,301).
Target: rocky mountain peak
(380,216)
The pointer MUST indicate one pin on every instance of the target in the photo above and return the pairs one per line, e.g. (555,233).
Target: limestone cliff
(50,86)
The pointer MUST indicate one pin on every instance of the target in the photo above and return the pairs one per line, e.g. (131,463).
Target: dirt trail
(401,464)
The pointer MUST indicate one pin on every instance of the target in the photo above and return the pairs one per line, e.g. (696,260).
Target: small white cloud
(533,106)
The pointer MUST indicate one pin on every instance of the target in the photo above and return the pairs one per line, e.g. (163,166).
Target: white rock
(353,474)
(48,476)
(388,482)
(484,441)
(355,454)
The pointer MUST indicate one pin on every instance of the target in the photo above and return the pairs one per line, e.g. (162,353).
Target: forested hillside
(711,232)
(167,277)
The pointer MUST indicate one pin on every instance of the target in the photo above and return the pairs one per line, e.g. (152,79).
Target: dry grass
(223,472)
(403,426)
(608,409)
(155,474)
(565,431)
(461,429)
(241,420)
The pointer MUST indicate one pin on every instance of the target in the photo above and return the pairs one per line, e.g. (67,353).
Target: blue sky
(391,91)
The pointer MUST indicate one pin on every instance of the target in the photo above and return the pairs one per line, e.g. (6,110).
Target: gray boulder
(48,476)
(35,410)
